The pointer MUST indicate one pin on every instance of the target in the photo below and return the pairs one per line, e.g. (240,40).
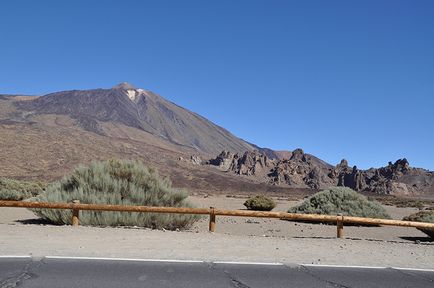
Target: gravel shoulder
(236,239)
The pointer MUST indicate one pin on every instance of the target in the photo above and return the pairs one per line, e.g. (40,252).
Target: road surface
(70,273)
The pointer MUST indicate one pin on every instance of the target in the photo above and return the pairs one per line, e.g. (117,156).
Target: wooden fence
(340,220)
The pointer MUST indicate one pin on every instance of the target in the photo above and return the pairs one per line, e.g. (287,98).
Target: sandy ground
(278,228)
(236,239)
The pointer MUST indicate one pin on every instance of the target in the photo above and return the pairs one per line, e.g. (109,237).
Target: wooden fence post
(212,220)
(340,226)
(75,214)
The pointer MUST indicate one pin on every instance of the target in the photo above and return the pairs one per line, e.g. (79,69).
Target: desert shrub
(423,216)
(11,189)
(260,202)
(117,182)
(342,200)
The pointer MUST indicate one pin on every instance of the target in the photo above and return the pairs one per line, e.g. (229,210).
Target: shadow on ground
(406,240)
(419,239)
(36,221)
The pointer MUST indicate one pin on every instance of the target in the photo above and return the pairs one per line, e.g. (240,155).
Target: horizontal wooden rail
(104,207)
(389,222)
(76,206)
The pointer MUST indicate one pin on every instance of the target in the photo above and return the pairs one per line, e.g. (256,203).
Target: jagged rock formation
(251,163)
(396,178)
(225,160)
(302,170)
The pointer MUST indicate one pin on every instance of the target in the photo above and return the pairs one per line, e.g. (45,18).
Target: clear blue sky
(340,79)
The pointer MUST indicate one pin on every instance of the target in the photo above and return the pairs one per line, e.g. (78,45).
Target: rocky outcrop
(250,164)
(225,160)
(384,180)
(253,163)
(303,170)
(300,170)
(348,177)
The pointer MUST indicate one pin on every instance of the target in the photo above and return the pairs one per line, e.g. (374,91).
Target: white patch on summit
(132,94)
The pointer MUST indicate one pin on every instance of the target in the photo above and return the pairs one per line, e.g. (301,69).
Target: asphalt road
(69,273)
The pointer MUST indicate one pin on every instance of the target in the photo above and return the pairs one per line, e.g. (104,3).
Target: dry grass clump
(117,182)
(11,189)
(341,200)
(423,216)
(260,203)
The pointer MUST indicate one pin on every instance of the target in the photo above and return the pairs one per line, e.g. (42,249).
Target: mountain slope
(45,137)
(139,109)
(47,146)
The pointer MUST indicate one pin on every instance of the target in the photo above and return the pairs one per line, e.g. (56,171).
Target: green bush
(261,203)
(19,190)
(121,182)
(342,200)
(423,216)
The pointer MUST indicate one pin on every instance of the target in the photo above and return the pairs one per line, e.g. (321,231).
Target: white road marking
(248,263)
(414,269)
(123,259)
(15,256)
(215,262)
(343,266)
(158,260)
(367,267)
